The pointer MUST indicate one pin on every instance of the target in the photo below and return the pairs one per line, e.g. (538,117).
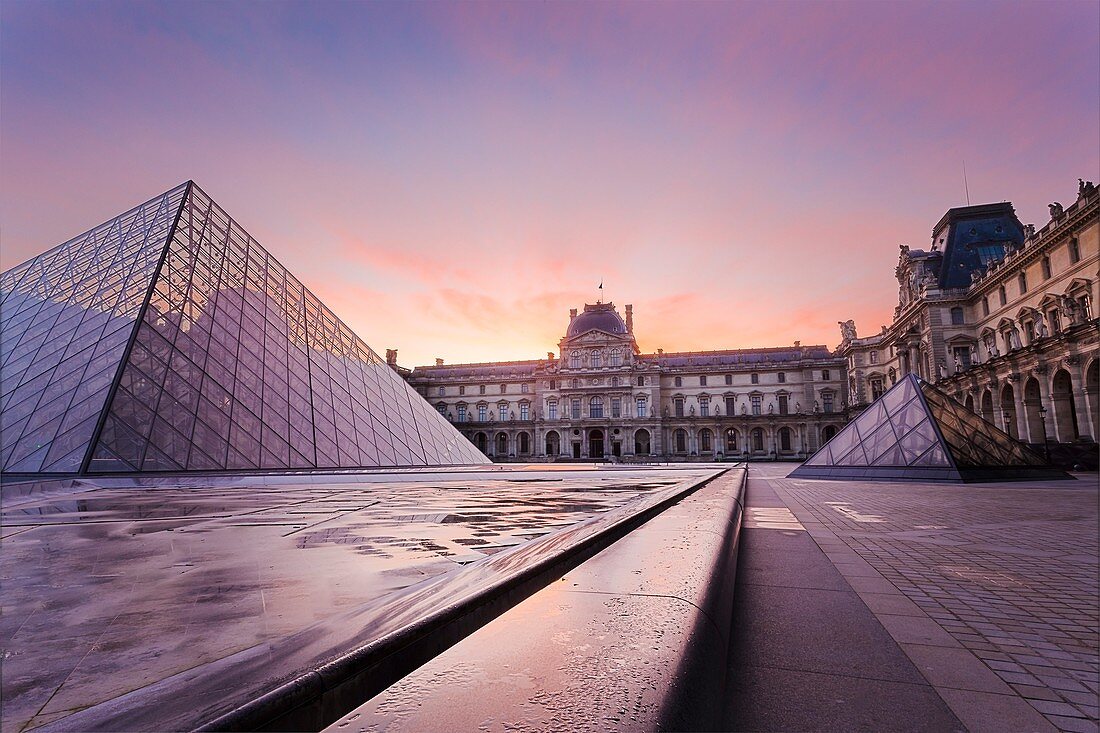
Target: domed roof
(601,316)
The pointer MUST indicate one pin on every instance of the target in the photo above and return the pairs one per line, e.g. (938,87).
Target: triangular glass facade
(66,318)
(916,432)
(232,364)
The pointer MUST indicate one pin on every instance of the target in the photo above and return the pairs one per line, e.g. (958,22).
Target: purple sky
(451,178)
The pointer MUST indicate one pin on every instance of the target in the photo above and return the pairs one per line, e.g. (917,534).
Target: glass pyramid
(916,432)
(168,339)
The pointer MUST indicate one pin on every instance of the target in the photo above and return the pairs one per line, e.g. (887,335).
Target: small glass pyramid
(168,339)
(915,432)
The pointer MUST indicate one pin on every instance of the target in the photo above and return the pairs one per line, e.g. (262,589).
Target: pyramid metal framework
(915,432)
(167,339)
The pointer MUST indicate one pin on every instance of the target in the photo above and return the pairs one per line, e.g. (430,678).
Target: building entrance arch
(595,443)
(641,442)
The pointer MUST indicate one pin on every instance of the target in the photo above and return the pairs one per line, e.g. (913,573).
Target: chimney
(550,355)
(439,362)
(391,357)
(629,318)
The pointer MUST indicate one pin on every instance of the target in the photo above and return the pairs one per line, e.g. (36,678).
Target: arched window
(596,359)
(641,443)
(957,318)
(553,443)
(641,381)
(614,381)
(679,439)
(828,433)
(732,442)
(758,439)
(704,441)
(616,358)
(575,360)
(502,444)
(524,443)
(481,440)
(785,439)
(595,407)
(576,384)
(503,388)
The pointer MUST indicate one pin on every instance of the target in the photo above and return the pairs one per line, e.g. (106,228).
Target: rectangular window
(1003,294)
(552,410)
(961,354)
(442,391)
(1046,268)
(825,375)
(704,407)
(481,389)
(442,410)
(755,379)
(641,407)
(874,357)
(1022,280)
(462,390)
(595,407)
(524,411)
(783,410)
(679,405)
(1074,250)
(827,402)
(756,400)
(502,411)
(482,413)
(731,405)
(462,413)
(575,409)
(703,381)
(523,389)
(616,407)
(985,305)
(729,379)
(782,377)
(876,389)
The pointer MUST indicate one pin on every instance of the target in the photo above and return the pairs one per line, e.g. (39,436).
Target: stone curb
(635,638)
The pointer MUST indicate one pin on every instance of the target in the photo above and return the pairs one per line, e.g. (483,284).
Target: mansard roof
(738,357)
(495,369)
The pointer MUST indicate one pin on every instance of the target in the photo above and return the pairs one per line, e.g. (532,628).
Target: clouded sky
(452,178)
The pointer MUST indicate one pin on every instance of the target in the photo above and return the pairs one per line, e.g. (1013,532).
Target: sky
(452,178)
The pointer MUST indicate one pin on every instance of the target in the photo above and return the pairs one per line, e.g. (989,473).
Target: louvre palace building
(998,314)
(1002,317)
(601,398)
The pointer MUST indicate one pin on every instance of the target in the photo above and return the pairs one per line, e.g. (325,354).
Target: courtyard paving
(991,590)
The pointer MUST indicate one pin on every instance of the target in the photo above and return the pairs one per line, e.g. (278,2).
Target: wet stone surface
(109,588)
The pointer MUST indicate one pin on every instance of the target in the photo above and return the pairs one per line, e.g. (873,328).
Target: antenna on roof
(965,185)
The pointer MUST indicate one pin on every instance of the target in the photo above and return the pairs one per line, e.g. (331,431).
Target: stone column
(1080,405)
(1021,413)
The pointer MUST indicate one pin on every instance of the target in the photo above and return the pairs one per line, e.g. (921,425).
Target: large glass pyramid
(915,432)
(168,339)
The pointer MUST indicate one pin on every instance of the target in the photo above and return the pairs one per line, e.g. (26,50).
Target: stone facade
(600,398)
(1002,317)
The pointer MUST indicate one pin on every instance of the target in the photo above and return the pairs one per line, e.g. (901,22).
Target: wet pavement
(110,586)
